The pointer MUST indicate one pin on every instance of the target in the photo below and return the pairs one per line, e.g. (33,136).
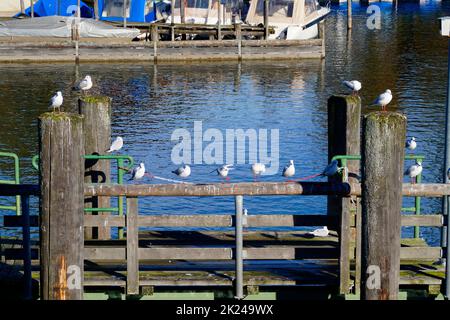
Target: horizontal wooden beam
(428,220)
(222,189)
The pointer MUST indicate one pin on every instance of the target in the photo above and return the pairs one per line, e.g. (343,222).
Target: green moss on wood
(386,117)
(61,116)
(96,99)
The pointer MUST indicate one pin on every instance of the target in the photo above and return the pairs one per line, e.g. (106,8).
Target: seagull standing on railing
(56,101)
(353,85)
(84,84)
(258,169)
(414,171)
(322,232)
(289,170)
(383,100)
(116,145)
(138,172)
(411,143)
(184,171)
(223,171)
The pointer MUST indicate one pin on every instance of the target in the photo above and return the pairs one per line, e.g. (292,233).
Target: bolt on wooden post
(96,111)
(61,150)
(344,123)
(382,179)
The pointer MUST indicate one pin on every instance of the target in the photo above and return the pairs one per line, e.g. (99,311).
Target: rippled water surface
(407,56)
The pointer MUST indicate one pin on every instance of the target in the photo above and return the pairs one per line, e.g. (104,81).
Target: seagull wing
(349,85)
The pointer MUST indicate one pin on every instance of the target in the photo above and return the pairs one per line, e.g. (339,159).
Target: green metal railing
(124,164)
(343,160)
(16,180)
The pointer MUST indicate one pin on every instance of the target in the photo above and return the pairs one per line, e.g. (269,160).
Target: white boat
(291,19)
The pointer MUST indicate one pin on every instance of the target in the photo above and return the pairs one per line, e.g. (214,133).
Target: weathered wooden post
(219,18)
(238,35)
(266,19)
(61,150)
(172,22)
(349,14)
(96,111)
(155,38)
(96,10)
(32,8)
(382,178)
(344,119)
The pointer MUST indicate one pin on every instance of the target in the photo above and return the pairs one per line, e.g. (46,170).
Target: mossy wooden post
(61,150)
(344,119)
(97,139)
(382,178)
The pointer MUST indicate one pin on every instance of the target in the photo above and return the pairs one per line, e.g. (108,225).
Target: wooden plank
(431,220)
(220,189)
(420,253)
(132,246)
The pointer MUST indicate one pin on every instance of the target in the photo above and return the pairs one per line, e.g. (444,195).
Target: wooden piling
(61,150)
(32,8)
(96,10)
(344,114)
(155,38)
(349,14)
(219,18)
(96,113)
(238,35)
(266,19)
(382,170)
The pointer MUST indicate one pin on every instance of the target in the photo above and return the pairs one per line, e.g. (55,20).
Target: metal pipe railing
(239,277)
(16,180)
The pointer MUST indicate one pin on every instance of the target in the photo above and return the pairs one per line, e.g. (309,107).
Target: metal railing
(16,180)
(416,209)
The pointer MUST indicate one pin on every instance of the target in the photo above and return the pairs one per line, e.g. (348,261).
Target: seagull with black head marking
(223,171)
(411,143)
(289,170)
(414,170)
(183,172)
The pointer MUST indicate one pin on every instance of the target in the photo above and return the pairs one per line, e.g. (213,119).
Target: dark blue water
(407,55)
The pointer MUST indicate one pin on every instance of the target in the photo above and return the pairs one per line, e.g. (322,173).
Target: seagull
(414,171)
(322,232)
(184,171)
(56,101)
(116,145)
(258,169)
(138,172)
(84,84)
(289,170)
(223,171)
(331,169)
(353,85)
(411,143)
(383,99)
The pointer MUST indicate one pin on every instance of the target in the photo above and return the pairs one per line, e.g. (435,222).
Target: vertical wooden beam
(344,114)
(172,14)
(322,36)
(61,150)
(125,13)
(32,8)
(26,246)
(22,6)
(266,19)
(155,38)
(96,10)
(219,18)
(349,14)
(238,35)
(382,176)
(96,113)
(358,248)
(132,246)
(182,11)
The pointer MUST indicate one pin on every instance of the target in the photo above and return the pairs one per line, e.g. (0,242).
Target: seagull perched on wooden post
(223,171)
(414,170)
(383,100)
(184,171)
(84,84)
(116,145)
(56,101)
(289,170)
(411,143)
(322,232)
(258,169)
(353,85)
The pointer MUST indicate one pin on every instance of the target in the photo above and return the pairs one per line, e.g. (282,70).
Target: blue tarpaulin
(44,8)
(137,10)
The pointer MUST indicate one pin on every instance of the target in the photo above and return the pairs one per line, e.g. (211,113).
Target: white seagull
(289,170)
(353,85)
(258,169)
(411,143)
(56,101)
(223,171)
(84,84)
(116,145)
(331,169)
(184,171)
(322,232)
(138,172)
(383,99)
(414,171)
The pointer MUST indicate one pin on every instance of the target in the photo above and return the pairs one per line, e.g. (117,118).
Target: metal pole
(239,249)
(446,206)
(26,247)
(124,13)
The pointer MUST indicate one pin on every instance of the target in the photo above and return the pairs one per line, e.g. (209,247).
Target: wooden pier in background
(238,261)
